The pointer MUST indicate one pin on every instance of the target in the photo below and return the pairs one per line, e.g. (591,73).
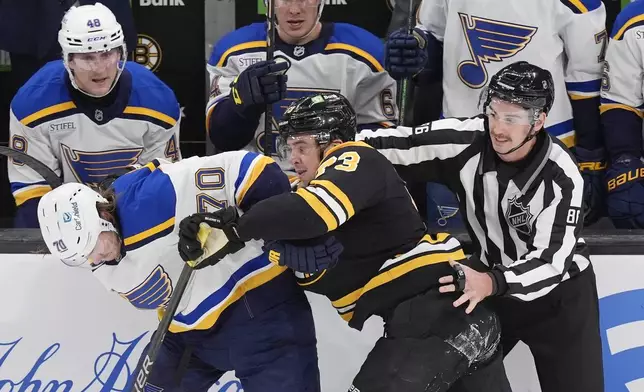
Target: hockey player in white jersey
(244,314)
(91,113)
(324,57)
(621,114)
(568,38)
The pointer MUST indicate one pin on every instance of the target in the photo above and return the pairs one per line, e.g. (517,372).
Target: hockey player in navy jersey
(567,38)
(243,314)
(622,102)
(91,113)
(324,57)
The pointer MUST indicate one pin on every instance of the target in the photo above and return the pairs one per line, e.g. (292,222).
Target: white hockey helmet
(88,29)
(70,223)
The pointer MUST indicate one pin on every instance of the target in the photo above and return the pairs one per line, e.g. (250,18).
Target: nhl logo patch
(298,51)
(519,216)
(98,115)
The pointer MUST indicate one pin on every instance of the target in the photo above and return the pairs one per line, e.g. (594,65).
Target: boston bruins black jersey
(358,197)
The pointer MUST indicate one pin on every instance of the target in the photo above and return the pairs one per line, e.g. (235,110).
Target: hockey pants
(416,356)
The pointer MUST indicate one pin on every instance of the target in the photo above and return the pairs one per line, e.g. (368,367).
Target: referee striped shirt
(524,218)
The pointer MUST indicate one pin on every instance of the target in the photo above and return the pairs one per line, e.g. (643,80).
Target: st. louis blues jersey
(622,94)
(153,200)
(344,59)
(84,139)
(566,37)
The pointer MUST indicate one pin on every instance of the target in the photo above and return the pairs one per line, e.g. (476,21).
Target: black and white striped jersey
(524,219)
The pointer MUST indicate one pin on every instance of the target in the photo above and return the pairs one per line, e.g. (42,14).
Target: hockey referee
(521,194)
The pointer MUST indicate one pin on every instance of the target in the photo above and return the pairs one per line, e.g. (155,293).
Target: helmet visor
(299,3)
(499,110)
(96,61)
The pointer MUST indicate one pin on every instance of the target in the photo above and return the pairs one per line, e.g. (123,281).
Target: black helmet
(329,116)
(523,84)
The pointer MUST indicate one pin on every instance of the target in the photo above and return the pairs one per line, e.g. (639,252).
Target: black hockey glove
(206,238)
(260,84)
(625,200)
(406,54)
(305,256)
(592,164)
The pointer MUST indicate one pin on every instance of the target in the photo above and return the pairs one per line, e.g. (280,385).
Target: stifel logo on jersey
(489,40)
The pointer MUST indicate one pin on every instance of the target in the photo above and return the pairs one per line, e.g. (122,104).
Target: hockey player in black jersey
(389,267)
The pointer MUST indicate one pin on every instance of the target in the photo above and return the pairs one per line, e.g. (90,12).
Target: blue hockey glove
(260,84)
(304,257)
(206,238)
(625,200)
(592,165)
(406,54)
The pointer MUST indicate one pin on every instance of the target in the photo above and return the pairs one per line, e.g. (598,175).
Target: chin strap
(528,137)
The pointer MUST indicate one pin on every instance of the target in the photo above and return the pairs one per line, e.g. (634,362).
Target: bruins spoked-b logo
(148,52)
(519,216)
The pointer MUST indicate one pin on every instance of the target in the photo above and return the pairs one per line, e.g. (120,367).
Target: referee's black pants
(562,331)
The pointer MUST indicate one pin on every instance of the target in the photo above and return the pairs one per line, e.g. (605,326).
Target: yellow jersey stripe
(61,107)
(577,97)
(627,25)
(610,106)
(259,164)
(32,193)
(314,280)
(149,232)
(320,208)
(372,60)
(238,48)
(411,265)
(348,299)
(336,192)
(252,283)
(440,238)
(347,316)
(579,5)
(343,145)
(150,113)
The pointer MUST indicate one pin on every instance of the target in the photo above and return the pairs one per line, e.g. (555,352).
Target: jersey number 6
(349,163)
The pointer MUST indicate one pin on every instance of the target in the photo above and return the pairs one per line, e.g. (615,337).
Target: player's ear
(107,215)
(541,121)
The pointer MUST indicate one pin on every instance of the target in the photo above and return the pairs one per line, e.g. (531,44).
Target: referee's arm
(426,152)
(551,248)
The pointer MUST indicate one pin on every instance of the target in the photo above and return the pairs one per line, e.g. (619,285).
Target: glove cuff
(499,284)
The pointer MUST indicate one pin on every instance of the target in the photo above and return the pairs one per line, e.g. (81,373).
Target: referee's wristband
(499,285)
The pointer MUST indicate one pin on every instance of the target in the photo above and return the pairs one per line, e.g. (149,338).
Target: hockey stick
(43,170)
(145,366)
(270,52)
(404,88)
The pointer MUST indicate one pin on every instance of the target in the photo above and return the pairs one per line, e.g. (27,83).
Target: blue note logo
(91,167)
(153,293)
(489,40)
(621,321)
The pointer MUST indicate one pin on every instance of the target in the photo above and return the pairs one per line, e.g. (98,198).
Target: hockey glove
(592,165)
(260,84)
(625,200)
(200,247)
(406,54)
(304,258)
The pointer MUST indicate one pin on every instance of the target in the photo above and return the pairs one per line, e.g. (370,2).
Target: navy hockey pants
(273,351)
